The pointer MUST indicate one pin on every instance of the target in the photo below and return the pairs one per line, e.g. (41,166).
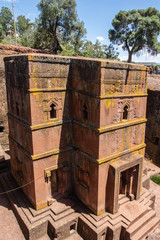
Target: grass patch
(156,179)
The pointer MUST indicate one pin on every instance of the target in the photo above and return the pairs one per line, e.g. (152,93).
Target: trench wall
(153,126)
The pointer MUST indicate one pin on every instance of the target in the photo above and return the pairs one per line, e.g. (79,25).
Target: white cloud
(100,38)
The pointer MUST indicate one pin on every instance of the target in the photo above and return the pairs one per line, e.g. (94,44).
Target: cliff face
(153,116)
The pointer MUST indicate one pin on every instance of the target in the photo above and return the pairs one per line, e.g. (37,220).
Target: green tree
(23,24)
(57,22)
(6,19)
(2,33)
(98,51)
(87,49)
(77,36)
(136,30)
(27,40)
(93,50)
(110,52)
(67,49)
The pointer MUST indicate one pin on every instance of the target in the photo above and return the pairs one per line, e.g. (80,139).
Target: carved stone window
(125,112)
(72,228)
(85,112)
(53,111)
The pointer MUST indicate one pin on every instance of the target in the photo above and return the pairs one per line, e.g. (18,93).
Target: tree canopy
(6,20)
(58,21)
(136,30)
(23,24)
(57,30)
(97,50)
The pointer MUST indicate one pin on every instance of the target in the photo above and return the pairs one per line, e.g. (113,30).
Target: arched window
(85,113)
(52,111)
(125,112)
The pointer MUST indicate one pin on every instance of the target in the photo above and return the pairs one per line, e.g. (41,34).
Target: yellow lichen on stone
(108,103)
(143,133)
(112,103)
(41,206)
(30,57)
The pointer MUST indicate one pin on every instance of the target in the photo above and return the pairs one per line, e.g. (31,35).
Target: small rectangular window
(72,228)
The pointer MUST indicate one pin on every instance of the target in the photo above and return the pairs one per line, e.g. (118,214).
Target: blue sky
(96,14)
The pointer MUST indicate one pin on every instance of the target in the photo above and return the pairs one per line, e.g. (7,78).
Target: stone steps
(96,224)
(29,219)
(136,226)
(133,211)
(136,218)
(31,214)
(145,195)
(147,198)
(145,229)
(150,204)
(142,218)
(123,199)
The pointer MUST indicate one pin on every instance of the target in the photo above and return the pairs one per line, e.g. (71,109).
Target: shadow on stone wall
(153,127)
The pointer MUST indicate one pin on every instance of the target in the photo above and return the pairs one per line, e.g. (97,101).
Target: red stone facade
(76,125)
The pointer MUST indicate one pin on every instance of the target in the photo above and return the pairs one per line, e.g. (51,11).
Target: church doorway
(129,182)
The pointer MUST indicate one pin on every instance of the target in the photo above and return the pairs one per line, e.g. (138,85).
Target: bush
(156,179)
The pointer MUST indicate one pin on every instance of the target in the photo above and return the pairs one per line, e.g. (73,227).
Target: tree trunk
(56,46)
(129,56)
